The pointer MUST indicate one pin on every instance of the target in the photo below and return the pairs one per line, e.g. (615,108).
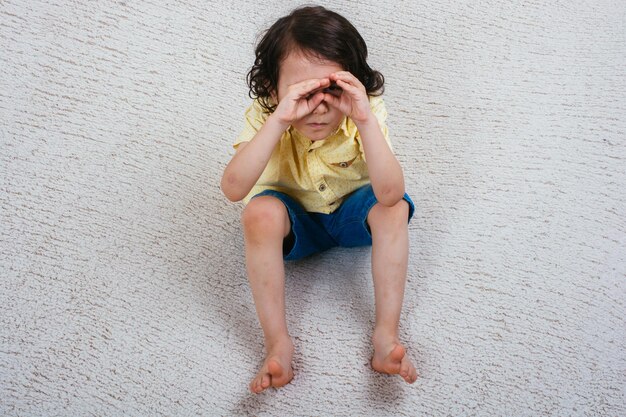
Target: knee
(265,217)
(389,218)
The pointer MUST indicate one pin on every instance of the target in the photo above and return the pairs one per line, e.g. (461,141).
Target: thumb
(315,101)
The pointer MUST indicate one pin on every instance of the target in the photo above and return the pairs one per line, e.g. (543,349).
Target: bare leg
(390,252)
(266,223)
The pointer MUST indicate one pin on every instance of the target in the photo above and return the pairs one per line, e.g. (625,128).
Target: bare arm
(250,160)
(384,169)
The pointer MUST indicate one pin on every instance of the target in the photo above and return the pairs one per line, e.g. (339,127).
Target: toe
(405,369)
(280,375)
(254,386)
(397,353)
(274,368)
(411,375)
(265,381)
(394,360)
(391,363)
(260,382)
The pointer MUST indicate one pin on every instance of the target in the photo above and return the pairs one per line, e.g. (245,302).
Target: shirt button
(322,187)
(343,165)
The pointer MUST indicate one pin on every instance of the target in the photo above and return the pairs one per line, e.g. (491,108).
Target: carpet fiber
(123,287)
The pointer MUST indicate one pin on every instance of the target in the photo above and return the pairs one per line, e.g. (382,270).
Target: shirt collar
(343,127)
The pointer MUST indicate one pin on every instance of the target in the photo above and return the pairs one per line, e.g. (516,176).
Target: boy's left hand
(353,101)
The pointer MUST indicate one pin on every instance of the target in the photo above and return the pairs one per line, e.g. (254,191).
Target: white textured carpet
(123,287)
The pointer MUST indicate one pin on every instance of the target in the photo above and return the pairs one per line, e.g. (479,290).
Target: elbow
(229,189)
(232,197)
(389,197)
(389,201)
(389,189)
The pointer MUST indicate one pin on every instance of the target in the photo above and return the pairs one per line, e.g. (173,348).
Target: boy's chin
(317,134)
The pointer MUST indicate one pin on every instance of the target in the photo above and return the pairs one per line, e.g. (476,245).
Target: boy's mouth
(315,125)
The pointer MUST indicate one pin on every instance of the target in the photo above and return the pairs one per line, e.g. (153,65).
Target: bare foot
(393,359)
(276,370)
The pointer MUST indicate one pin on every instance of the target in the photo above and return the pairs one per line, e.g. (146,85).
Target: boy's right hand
(300,100)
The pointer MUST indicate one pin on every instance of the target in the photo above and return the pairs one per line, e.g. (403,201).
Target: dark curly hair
(318,31)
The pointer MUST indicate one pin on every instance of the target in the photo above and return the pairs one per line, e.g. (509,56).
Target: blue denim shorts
(316,232)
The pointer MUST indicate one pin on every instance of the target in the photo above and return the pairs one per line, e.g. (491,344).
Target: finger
(307,105)
(347,77)
(309,86)
(315,100)
(349,88)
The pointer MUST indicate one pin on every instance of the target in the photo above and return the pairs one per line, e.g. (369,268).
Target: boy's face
(297,67)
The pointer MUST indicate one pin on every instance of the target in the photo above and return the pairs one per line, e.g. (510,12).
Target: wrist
(277,122)
(367,121)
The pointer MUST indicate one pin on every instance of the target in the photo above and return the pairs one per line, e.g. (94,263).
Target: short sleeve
(255,117)
(380,112)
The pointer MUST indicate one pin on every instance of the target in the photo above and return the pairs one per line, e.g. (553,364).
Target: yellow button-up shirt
(317,174)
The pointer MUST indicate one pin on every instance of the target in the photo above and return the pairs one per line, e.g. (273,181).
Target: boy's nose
(321,108)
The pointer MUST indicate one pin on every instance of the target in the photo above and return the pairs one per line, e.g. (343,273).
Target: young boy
(315,167)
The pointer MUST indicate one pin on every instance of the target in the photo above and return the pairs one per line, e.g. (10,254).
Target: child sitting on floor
(315,167)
